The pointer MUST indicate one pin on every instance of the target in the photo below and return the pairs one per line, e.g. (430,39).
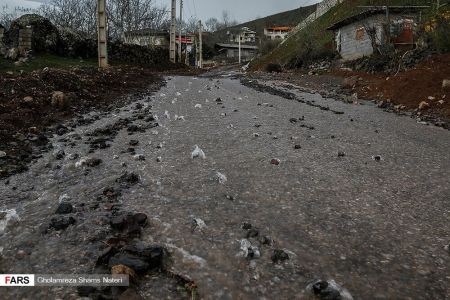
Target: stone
(61,223)
(123,270)
(275,161)
(2,154)
(424,105)
(64,208)
(446,84)
(251,233)
(341,154)
(293,120)
(93,162)
(296,147)
(60,100)
(59,154)
(328,290)
(139,157)
(441,102)
(350,82)
(133,143)
(134,262)
(279,256)
(129,223)
(128,179)
(28,99)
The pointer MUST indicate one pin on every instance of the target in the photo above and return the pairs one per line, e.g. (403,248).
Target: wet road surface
(349,192)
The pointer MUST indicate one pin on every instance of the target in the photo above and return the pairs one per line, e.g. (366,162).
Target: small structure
(147,37)
(360,35)
(232,51)
(277,33)
(245,34)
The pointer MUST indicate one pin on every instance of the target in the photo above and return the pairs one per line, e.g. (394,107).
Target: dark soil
(26,124)
(408,88)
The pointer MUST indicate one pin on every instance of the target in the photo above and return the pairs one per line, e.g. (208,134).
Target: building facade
(277,33)
(361,34)
(246,35)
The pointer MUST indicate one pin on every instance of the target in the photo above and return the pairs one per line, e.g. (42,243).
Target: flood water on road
(348,192)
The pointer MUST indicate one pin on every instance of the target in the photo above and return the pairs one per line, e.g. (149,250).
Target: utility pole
(102,35)
(239,48)
(180,35)
(173,34)
(200,34)
(196,50)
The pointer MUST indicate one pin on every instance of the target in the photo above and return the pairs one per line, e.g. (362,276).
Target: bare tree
(212,24)
(123,15)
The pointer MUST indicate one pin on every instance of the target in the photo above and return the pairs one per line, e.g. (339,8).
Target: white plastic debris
(223,114)
(199,223)
(198,153)
(64,198)
(166,113)
(178,94)
(248,250)
(198,106)
(222,178)
(7,216)
(179,118)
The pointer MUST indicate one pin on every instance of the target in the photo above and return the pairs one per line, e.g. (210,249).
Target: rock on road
(360,197)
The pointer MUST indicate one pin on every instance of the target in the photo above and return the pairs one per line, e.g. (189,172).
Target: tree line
(123,16)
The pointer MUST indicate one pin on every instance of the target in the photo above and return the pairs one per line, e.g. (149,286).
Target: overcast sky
(241,10)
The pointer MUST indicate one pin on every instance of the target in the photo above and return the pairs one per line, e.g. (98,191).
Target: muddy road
(292,187)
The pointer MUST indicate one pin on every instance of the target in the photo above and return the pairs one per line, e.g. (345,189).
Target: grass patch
(46,60)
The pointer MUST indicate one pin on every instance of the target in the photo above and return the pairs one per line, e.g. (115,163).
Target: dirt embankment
(408,89)
(32,109)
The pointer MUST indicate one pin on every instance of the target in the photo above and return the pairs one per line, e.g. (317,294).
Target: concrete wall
(352,40)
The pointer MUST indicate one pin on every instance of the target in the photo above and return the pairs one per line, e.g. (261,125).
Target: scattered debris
(279,256)
(222,178)
(377,157)
(275,161)
(198,153)
(248,250)
(328,290)
(198,106)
